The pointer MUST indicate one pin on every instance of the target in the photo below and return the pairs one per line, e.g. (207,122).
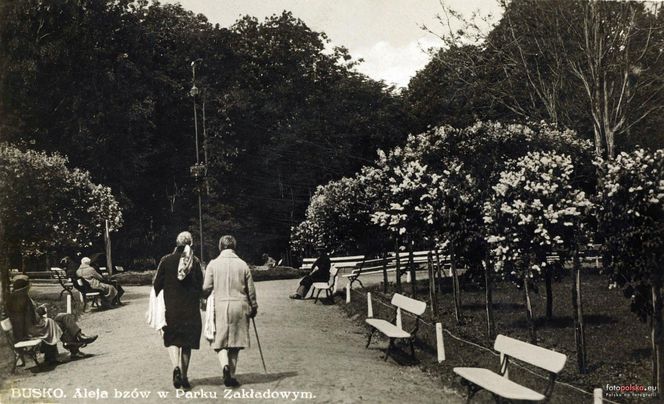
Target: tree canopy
(106,83)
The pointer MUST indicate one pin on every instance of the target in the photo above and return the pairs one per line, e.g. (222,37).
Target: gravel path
(309,349)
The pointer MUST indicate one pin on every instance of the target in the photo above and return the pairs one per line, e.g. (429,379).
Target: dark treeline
(107,84)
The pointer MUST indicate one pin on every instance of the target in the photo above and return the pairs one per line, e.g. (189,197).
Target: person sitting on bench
(28,322)
(97,282)
(320,272)
(70,267)
(96,263)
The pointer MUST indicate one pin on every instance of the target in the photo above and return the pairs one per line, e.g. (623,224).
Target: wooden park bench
(339,262)
(394,329)
(87,293)
(28,347)
(389,264)
(368,267)
(116,270)
(500,385)
(421,259)
(328,286)
(67,284)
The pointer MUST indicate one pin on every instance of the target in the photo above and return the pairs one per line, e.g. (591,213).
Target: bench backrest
(341,262)
(411,305)
(59,273)
(533,354)
(84,286)
(6,325)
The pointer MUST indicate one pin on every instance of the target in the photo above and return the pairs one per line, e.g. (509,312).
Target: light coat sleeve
(250,290)
(208,283)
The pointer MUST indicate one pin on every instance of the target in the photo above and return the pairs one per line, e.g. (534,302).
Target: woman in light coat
(97,282)
(229,278)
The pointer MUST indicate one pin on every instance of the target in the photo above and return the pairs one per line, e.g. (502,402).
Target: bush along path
(313,352)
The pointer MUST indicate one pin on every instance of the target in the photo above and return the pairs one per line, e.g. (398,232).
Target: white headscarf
(186,262)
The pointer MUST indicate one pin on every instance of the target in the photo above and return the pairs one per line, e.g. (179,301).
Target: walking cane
(253,321)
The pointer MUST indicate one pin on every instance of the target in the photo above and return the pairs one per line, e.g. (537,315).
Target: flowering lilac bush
(44,205)
(338,215)
(632,223)
(534,211)
(631,219)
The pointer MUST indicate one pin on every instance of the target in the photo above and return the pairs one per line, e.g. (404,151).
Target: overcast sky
(385,33)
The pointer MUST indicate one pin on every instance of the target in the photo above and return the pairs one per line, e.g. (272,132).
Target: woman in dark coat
(180,277)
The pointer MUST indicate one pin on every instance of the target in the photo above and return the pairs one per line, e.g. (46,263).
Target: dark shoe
(177,377)
(227,376)
(232,382)
(295,296)
(185,383)
(85,339)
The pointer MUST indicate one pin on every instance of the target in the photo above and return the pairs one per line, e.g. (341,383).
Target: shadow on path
(244,378)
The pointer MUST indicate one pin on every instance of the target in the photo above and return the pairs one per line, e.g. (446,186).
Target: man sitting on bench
(320,272)
(109,294)
(27,323)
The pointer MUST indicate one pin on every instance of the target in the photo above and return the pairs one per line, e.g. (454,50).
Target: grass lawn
(618,344)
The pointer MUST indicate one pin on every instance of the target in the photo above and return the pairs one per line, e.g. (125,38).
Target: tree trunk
(549,293)
(385,272)
(610,143)
(488,299)
(656,337)
(529,307)
(411,267)
(579,328)
(21,261)
(398,271)
(439,276)
(432,287)
(4,272)
(455,286)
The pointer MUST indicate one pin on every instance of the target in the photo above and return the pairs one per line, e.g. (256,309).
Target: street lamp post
(198,171)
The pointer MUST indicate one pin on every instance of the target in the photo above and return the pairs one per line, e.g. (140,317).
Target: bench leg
(370,335)
(389,348)
(360,282)
(472,390)
(34,358)
(412,347)
(16,358)
(498,399)
(317,294)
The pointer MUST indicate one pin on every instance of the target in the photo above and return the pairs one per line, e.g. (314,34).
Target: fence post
(369,306)
(597,396)
(348,292)
(440,345)
(68,303)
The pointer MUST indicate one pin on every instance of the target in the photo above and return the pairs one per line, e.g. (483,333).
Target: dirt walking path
(314,351)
